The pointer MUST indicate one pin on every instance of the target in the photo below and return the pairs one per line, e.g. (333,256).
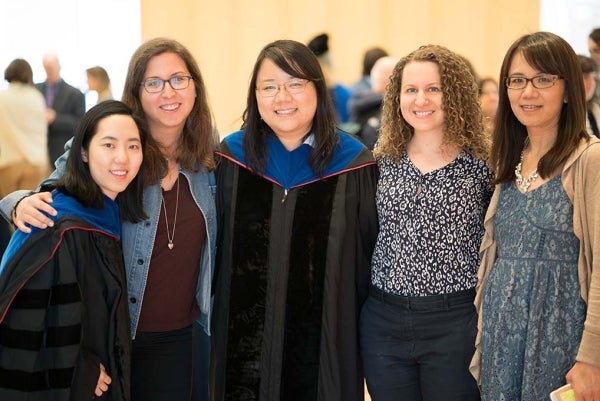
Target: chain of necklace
(524,183)
(170,236)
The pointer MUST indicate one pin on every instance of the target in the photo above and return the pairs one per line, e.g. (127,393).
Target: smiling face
(114,154)
(536,109)
(421,97)
(169,108)
(290,116)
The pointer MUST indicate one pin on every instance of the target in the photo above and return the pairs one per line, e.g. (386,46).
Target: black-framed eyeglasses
(292,86)
(155,85)
(540,81)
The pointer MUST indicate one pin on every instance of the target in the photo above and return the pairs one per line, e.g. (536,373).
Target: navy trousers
(419,348)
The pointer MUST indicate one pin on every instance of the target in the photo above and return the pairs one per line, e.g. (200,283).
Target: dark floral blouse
(430,226)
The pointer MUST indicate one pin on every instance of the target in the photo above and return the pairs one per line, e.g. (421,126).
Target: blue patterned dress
(533,313)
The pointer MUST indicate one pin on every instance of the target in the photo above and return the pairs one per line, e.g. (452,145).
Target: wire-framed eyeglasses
(540,81)
(155,85)
(292,86)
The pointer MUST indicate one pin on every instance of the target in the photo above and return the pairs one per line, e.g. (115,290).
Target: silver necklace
(170,236)
(524,183)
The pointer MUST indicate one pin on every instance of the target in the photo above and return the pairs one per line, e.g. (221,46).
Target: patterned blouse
(430,226)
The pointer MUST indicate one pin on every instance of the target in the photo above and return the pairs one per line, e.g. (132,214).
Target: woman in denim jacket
(169,258)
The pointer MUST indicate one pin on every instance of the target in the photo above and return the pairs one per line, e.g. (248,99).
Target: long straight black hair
(298,61)
(77,180)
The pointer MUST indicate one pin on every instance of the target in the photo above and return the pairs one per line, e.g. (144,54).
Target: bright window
(573,20)
(83,33)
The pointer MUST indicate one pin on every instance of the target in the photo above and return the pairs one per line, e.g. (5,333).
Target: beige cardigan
(581,181)
(23,127)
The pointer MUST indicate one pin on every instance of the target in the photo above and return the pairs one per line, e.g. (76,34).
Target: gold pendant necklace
(170,236)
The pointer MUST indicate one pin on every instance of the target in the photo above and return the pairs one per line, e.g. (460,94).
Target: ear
(84,155)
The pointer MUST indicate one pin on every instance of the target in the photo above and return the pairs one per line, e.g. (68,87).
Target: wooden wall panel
(226,35)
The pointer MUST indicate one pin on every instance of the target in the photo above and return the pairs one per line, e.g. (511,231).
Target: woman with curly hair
(419,323)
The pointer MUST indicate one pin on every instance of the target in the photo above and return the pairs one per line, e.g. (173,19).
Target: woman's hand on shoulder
(585,380)
(29,212)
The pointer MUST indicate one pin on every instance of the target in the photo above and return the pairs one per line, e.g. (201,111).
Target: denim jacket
(138,238)
(138,242)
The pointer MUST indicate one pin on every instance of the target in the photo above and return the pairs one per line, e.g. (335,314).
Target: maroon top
(170,295)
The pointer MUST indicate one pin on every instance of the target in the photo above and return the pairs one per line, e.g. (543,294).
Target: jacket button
(140,261)
(132,300)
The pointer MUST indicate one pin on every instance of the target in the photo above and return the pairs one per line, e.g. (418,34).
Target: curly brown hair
(464,122)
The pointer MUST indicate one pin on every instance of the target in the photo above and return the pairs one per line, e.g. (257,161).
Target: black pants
(161,366)
(419,348)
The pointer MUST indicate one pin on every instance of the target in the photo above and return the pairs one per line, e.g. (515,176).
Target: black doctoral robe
(293,269)
(63,308)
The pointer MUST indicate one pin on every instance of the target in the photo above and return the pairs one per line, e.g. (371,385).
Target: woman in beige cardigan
(539,287)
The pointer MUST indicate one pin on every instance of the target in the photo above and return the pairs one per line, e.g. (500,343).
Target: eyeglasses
(541,81)
(155,85)
(293,87)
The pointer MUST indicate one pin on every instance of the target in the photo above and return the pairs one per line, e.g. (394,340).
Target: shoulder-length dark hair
(550,54)
(19,70)
(197,142)
(463,119)
(77,180)
(298,61)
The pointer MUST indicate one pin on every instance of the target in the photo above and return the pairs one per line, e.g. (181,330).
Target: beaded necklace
(524,183)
